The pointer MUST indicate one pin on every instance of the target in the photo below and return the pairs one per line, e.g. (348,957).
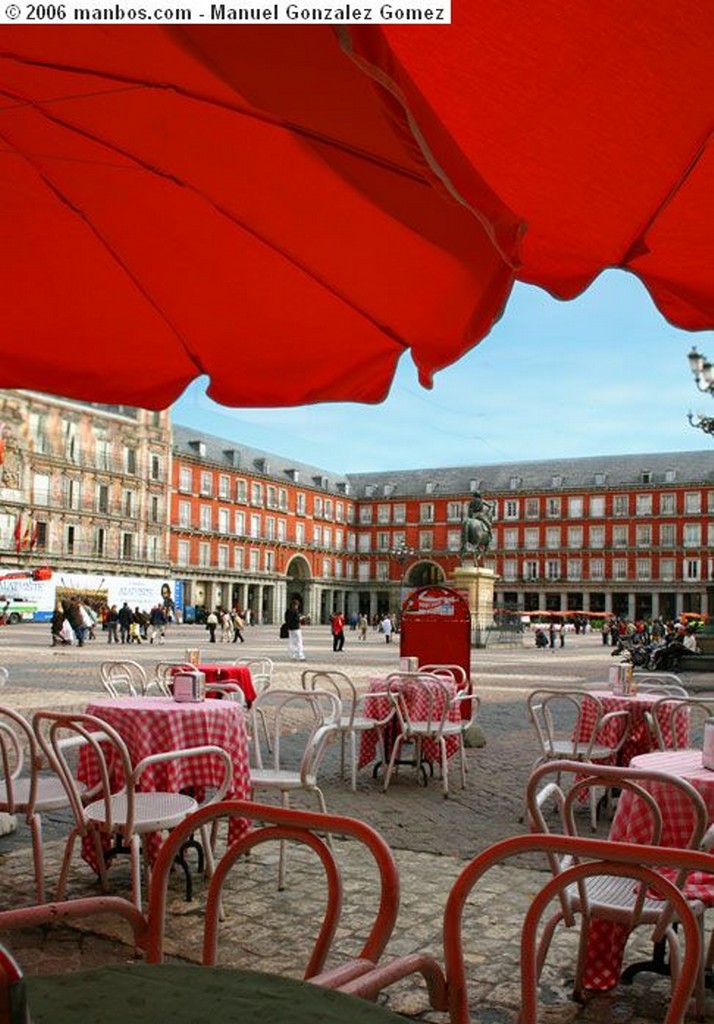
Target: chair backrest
(588,858)
(675,718)
(660,682)
(286,712)
(455,672)
(4,676)
(261,671)
(163,674)
(557,716)
(17,745)
(270,824)
(419,696)
(59,734)
(335,682)
(123,678)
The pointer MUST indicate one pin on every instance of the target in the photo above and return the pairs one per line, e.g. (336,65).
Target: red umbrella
(288,214)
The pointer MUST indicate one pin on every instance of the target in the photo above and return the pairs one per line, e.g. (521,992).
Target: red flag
(18,534)
(35,533)
(29,530)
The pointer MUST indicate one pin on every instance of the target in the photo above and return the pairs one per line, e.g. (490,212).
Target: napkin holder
(708,746)
(189,686)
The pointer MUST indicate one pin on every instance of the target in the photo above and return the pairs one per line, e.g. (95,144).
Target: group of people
(654,644)
(72,622)
(230,623)
(75,622)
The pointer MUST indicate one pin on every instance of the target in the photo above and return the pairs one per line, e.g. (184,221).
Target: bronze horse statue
(476,533)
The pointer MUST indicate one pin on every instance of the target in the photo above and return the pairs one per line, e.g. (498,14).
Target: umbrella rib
(257,115)
(222,211)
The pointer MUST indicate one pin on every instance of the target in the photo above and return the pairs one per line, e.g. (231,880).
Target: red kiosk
(436,627)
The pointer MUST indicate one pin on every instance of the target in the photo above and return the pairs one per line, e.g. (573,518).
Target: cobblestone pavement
(432,837)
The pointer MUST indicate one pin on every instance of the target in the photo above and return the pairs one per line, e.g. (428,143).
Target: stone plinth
(479,584)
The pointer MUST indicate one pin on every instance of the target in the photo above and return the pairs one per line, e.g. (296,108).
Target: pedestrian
(211,623)
(605,630)
(338,631)
(157,622)
(363,626)
(561,634)
(226,626)
(238,627)
(292,621)
(125,618)
(386,627)
(56,626)
(551,635)
(113,625)
(76,620)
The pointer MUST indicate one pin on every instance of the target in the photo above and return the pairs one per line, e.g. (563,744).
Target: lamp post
(400,554)
(703,373)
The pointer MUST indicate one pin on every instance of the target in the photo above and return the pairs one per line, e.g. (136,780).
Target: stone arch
(425,573)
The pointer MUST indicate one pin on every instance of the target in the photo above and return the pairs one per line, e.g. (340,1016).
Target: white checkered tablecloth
(632,824)
(417,702)
(152,725)
(638,740)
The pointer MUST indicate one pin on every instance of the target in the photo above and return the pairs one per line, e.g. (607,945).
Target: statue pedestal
(479,584)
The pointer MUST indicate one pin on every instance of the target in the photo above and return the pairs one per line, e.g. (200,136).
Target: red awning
(288,209)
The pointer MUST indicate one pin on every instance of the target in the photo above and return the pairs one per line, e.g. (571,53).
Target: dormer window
(199,447)
(515,483)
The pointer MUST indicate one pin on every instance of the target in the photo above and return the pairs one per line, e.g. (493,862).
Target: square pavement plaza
(432,837)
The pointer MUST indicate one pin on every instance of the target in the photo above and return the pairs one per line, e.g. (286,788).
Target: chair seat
(271,778)
(51,795)
(611,897)
(579,751)
(359,723)
(152,811)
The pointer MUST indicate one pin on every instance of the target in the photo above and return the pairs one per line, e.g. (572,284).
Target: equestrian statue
(476,529)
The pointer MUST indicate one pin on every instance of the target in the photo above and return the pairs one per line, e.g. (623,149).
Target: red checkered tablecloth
(152,725)
(638,740)
(239,674)
(417,702)
(631,824)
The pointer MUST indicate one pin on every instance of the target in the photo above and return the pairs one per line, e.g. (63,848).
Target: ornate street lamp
(400,554)
(703,372)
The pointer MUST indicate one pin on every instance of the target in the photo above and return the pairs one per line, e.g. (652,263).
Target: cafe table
(191,994)
(153,725)
(638,739)
(606,941)
(215,672)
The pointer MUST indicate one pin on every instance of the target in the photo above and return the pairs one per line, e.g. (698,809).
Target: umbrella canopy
(288,209)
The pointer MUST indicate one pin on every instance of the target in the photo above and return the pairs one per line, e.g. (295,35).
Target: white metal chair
(24,789)
(353,720)
(559,718)
(261,674)
(4,676)
(126,812)
(283,713)
(607,897)
(426,712)
(123,678)
(665,683)
(463,685)
(669,712)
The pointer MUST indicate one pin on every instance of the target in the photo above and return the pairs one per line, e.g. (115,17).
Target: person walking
(363,626)
(238,627)
(76,620)
(338,631)
(113,625)
(386,625)
(292,621)
(125,616)
(211,623)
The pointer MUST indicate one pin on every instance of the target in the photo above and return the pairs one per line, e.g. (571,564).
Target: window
(224,487)
(575,537)
(552,569)
(364,542)
(241,491)
(300,503)
(510,569)
(597,507)
(102,452)
(453,511)
(338,568)
(282,530)
(399,513)
(692,537)
(643,569)
(532,508)
(575,508)
(552,537)
(365,514)
(254,559)
(103,498)
(383,513)
(327,536)
(206,517)
(453,540)
(256,493)
(597,536)
(426,512)
(127,545)
(272,496)
(510,539)
(643,535)
(154,508)
(130,460)
(710,535)
(269,561)
(326,567)
(38,433)
(100,541)
(668,504)
(363,571)
(597,568)
(69,539)
(619,569)
(239,524)
(514,483)
(692,503)
(128,504)
(72,493)
(666,569)
(600,479)
(270,528)
(575,569)
(670,475)
(530,538)
(552,508)
(317,507)
(317,536)
(643,505)
(340,512)
(399,539)
(530,570)
(255,526)
(619,536)
(350,570)
(351,541)
(237,558)
(283,499)
(222,556)
(426,540)
(328,508)
(182,552)
(300,534)
(184,514)
(621,505)
(692,569)
(339,539)
(668,535)
(383,541)
(224,521)
(511,509)
(155,467)
(185,479)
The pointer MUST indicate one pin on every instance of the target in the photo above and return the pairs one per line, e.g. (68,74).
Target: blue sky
(603,374)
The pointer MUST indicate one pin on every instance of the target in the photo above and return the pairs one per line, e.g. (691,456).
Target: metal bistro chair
(689,713)
(261,674)
(560,720)
(665,683)
(464,685)
(123,678)
(126,812)
(353,721)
